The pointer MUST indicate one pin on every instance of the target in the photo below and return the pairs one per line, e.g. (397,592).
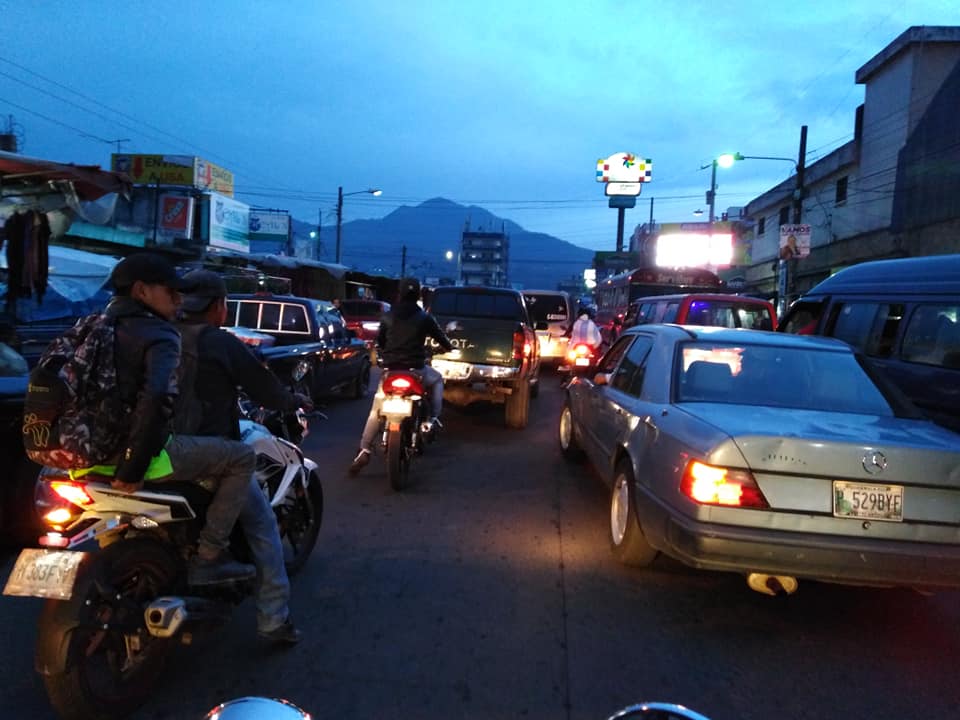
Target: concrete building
(484,258)
(892,191)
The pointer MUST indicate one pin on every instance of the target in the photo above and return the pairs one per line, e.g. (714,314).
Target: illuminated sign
(176,216)
(694,245)
(624,168)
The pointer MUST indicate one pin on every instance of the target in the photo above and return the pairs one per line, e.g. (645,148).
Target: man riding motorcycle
(401,345)
(147,295)
(585,330)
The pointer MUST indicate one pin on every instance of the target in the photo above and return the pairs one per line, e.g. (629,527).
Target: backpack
(73,415)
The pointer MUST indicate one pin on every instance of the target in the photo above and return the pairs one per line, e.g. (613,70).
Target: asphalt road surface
(488,590)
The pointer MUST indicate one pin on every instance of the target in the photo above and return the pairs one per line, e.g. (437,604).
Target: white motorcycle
(113,572)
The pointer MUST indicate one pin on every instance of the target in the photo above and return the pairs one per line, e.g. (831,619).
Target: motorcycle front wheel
(399,451)
(299,524)
(97,659)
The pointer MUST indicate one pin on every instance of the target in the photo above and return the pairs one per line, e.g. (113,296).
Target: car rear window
(363,308)
(546,307)
(499,306)
(805,379)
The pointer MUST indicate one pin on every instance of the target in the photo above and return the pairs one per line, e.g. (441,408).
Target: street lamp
(340,195)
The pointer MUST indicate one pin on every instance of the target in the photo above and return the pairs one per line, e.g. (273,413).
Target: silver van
(556,309)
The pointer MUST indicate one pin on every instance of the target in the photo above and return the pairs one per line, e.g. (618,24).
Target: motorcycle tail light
(711,485)
(402,385)
(72,492)
(580,350)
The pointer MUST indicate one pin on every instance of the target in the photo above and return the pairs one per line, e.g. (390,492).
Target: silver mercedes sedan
(777,456)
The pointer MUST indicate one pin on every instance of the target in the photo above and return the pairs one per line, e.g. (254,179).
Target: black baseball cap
(410,288)
(201,287)
(150,268)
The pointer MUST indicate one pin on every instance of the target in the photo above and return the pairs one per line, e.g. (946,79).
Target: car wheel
(627,541)
(568,439)
(517,407)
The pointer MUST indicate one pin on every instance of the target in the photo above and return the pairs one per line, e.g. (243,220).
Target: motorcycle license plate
(582,362)
(44,573)
(397,406)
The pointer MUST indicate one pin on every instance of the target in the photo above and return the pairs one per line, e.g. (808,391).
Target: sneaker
(360,461)
(221,569)
(430,425)
(287,634)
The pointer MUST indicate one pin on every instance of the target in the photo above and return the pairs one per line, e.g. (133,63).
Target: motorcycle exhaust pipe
(166,616)
(772,584)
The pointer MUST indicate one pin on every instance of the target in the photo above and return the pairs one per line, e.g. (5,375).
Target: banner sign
(794,241)
(173,170)
(176,216)
(266,224)
(229,223)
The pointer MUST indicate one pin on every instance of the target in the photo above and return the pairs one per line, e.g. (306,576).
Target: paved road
(488,591)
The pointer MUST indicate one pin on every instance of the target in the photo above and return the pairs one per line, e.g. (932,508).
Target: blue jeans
(259,525)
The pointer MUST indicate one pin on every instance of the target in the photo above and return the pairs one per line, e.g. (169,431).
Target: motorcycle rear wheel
(300,524)
(398,455)
(92,673)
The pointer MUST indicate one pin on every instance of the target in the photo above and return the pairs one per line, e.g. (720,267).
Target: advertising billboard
(229,223)
(695,245)
(175,216)
(185,170)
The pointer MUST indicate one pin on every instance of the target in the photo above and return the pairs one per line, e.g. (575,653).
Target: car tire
(569,446)
(517,406)
(627,540)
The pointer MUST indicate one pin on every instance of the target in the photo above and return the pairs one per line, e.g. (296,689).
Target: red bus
(615,294)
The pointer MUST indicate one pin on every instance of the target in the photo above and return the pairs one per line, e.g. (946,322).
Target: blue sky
(501,104)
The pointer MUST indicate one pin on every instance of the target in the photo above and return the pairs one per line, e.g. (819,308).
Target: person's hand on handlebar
(303,402)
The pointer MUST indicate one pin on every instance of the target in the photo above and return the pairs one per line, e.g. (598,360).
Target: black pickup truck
(495,354)
(310,348)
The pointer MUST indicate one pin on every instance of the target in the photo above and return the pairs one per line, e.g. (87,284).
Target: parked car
(495,356)
(556,309)
(312,350)
(903,314)
(777,456)
(711,309)
(363,317)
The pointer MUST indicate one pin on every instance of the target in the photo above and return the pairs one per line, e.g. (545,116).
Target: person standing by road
(401,344)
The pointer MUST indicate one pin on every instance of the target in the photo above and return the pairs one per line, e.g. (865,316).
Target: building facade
(484,258)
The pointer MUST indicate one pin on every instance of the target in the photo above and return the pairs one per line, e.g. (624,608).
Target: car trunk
(480,341)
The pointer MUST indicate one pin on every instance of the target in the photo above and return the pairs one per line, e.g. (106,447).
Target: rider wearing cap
(401,345)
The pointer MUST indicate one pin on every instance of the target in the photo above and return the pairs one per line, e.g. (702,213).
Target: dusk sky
(503,104)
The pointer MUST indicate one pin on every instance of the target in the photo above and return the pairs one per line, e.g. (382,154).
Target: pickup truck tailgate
(479,341)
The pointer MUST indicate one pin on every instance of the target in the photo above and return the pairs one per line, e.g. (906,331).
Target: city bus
(615,294)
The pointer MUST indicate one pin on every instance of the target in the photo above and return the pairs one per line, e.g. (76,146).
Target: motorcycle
(113,570)
(403,415)
(580,359)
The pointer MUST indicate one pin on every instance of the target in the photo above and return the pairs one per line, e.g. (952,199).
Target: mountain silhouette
(432,228)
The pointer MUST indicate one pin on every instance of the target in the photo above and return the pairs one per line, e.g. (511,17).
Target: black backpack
(73,415)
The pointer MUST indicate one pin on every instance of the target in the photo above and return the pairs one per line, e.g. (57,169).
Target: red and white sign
(176,215)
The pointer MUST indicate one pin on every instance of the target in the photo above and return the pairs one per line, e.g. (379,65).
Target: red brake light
(402,385)
(519,343)
(710,485)
(71,492)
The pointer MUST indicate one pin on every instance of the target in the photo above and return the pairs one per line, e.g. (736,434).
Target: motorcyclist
(147,352)
(585,330)
(224,364)
(401,345)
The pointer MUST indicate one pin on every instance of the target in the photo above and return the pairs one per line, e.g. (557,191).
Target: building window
(761,226)
(784,215)
(841,190)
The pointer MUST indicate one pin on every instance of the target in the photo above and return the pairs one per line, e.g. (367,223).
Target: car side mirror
(541,326)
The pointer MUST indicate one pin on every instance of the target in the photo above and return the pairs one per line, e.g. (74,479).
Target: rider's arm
(149,419)
(382,332)
(248,373)
(434,331)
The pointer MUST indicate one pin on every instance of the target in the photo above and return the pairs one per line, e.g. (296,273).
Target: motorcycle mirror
(657,711)
(257,708)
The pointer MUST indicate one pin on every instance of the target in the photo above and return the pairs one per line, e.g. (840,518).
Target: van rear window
(546,308)
(477,304)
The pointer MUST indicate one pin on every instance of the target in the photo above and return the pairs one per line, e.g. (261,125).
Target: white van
(556,309)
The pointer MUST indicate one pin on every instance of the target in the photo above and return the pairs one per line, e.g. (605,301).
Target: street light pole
(340,195)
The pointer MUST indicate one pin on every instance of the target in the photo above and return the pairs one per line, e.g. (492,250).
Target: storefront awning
(23,174)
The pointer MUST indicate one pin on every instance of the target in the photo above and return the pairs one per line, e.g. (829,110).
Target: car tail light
(519,341)
(402,385)
(71,492)
(711,485)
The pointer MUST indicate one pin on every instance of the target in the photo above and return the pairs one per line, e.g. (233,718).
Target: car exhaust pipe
(772,584)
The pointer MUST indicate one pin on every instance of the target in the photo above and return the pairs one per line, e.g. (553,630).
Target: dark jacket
(224,364)
(403,332)
(147,350)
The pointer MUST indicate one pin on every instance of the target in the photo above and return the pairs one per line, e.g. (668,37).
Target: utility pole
(319,228)
(339,218)
(403,261)
(621,212)
(787,268)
